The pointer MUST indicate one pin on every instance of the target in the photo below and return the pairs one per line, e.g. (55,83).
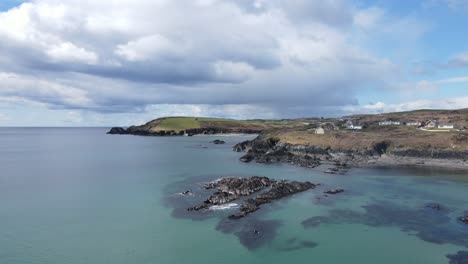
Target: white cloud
(380,107)
(459,61)
(68,52)
(42,91)
(369,18)
(149,47)
(274,58)
(3,117)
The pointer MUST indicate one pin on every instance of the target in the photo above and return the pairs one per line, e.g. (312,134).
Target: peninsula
(417,138)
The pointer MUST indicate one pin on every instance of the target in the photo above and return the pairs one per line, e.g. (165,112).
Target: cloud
(277,58)
(380,107)
(68,52)
(42,91)
(451,4)
(459,61)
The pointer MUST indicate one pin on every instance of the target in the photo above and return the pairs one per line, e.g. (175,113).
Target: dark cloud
(285,57)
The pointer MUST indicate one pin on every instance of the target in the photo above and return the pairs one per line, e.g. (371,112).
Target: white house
(389,123)
(430,124)
(445,125)
(350,125)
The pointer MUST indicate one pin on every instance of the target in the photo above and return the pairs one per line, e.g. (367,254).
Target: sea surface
(79,196)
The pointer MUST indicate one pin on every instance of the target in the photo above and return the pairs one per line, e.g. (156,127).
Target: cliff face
(133,130)
(266,149)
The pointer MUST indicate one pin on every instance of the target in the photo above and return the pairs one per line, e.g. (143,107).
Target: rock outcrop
(278,190)
(334,191)
(270,150)
(142,131)
(218,141)
(463,219)
(265,149)
(231,189)
(117,131)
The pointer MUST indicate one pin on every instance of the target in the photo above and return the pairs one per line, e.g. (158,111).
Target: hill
(205,125)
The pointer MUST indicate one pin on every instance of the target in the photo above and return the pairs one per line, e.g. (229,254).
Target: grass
(183,123)
(399,136)
(177,123)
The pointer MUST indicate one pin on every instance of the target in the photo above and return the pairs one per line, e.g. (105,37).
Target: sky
(124,62)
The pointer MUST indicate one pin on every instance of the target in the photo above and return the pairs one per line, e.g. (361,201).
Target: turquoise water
(77,195)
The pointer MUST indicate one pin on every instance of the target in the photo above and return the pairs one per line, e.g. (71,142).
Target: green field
(178,123)
(183,123)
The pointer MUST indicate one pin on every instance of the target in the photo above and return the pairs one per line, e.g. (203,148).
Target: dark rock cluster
(334,191)
(139,131)
(218,141)
(270,150)
(463,219)
(278,190)
(117,131)
(230,189)
(435,226)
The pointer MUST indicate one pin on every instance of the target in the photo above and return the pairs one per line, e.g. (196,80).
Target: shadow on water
(252,231)
(430,224)
(296,244)
(460,258)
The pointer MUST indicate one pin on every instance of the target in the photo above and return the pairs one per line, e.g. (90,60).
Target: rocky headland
(269,148)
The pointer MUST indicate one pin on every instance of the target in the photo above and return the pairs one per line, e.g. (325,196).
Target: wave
(224,206)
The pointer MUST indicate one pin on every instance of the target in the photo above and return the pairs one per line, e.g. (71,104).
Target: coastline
(272,151)
(227,135)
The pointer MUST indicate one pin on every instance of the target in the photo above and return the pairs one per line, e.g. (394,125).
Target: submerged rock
(460,258)
(435,206)
(218,141)
(463,219)
(334,191)
(336,171)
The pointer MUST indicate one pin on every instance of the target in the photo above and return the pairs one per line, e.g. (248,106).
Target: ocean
(79,196)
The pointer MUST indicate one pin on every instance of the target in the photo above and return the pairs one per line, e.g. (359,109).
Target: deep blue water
(77,195)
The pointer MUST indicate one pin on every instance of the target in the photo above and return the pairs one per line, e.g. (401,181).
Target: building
(389,123)
(413,123)
(320,131)
(430,124)
(350,125)
(445,125)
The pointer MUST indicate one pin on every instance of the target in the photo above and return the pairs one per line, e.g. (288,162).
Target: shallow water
(77,195)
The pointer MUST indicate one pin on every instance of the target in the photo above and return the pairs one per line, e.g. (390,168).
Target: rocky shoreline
(271,150)
(232,189)
(137,131)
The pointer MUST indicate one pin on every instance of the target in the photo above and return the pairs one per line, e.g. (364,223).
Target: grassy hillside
(396,136)
(459,117)
(184,123)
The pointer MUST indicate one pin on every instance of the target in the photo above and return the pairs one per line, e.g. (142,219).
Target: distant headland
(417,138)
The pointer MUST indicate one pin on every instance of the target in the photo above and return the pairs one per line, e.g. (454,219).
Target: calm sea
(79,196)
